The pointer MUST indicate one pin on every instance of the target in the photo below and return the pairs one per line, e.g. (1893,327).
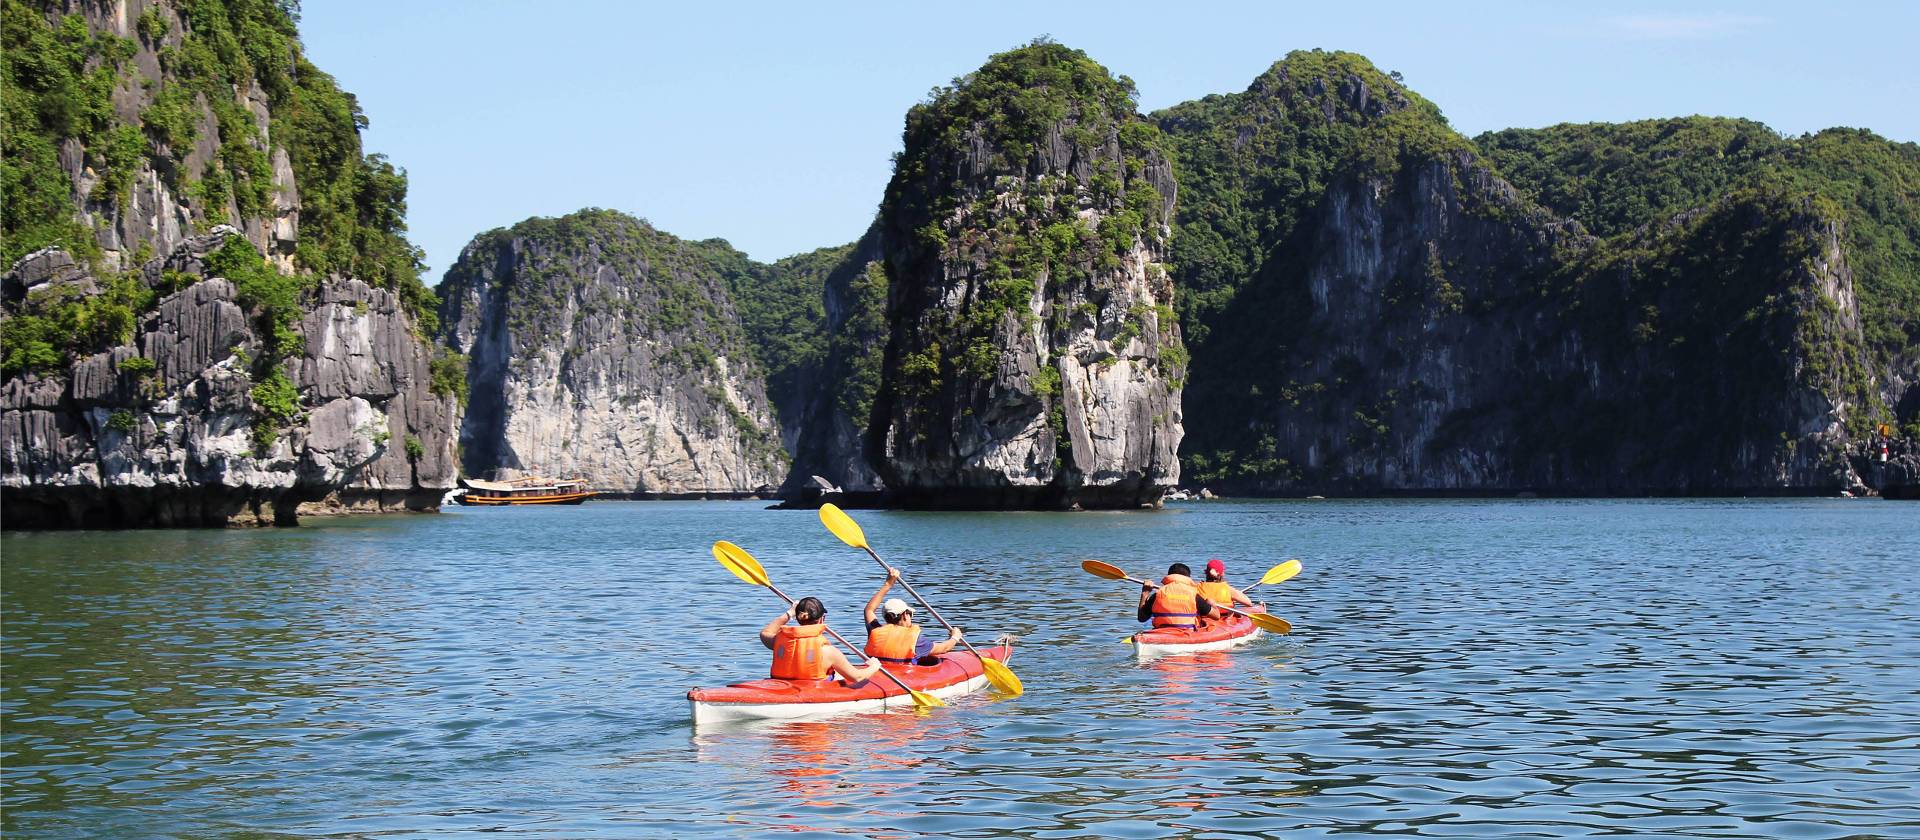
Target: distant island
(212,314)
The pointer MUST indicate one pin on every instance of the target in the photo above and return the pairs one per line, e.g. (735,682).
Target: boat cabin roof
(519,484)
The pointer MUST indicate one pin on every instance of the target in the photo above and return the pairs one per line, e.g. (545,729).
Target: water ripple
(1460,669)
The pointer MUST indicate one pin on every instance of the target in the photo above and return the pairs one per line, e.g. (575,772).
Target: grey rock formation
(1448,347)
(154,217)
(104,443)
(828,436)
(601,348)
(1034,359)
(1373,309)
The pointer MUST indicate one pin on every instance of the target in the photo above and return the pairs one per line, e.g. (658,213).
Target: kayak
(957,673)
(1235,631)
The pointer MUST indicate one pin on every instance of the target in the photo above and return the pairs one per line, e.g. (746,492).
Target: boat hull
(497,501)
(1236,631)
(958,673)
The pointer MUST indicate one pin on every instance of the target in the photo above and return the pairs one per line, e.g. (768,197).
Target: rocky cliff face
(602,348)
(185,422)
(834,394)
(1374,309)
(211,313)
(1033,358)
(1443,346)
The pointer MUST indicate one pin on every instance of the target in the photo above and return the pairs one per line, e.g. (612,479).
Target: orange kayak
(956,673)
(1220,635)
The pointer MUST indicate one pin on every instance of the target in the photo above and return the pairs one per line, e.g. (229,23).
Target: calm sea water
(1458,668)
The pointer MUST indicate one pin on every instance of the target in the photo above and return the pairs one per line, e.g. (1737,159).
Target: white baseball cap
(895,606)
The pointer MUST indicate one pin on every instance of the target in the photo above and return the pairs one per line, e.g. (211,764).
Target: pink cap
(1215,565)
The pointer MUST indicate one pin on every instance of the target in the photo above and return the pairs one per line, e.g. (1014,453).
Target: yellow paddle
(744,567)
(1269,623)
(1277,574)
(849,532)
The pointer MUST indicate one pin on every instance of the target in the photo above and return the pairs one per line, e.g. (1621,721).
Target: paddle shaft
(843,640)
(923,602)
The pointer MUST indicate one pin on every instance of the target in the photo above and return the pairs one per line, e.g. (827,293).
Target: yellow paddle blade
(1103,570)
(1271,623)
(740,563)
(925,700)
(1281,572)
(1001,676)
(842,525)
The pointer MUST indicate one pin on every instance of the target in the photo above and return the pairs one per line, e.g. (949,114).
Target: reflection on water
(1459,668)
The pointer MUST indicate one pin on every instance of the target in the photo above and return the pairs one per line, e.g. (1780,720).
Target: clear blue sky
(772,125)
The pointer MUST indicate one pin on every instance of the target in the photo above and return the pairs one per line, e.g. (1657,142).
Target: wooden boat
(954,674)
(1220,635)
(525,491)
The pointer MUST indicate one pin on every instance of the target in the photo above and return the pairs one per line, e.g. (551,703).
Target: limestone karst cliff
(1373,308)
(211,314)
(833,390)
(602,348)
(1033,359)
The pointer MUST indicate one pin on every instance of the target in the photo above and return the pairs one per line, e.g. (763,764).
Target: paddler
(803,651)
(891,634)
(1177,605)
(1217,591)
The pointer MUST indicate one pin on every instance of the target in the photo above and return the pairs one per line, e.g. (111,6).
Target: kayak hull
(959,673)
(1236,631)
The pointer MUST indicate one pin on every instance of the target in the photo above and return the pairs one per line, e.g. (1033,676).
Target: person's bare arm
(953,638)
(1146,604)
(1241,598)
(873,603)
(772,629)
(837,663)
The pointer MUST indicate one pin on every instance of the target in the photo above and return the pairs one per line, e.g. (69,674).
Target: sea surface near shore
(1481,668)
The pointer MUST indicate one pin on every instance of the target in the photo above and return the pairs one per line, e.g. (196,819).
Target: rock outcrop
(1033,358)
(834,396)
(169,428)
(211,314)
(1372,308)
(601,348)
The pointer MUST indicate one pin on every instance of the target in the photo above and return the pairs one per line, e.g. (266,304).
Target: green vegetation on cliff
(1254,170)
(1253,165)
(1021,129)
(670,286)
(783,312)
(58,81)
(1615,177)
(55,326)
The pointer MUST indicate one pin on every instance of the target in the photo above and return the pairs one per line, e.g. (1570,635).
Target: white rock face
(105,445)
(1035,360)
(603,349)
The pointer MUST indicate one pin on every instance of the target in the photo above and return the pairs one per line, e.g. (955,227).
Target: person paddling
(1217,591)
(1177,604)
(891,634)
(801,652)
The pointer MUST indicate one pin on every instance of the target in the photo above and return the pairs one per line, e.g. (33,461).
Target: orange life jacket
(1175,605)
(1217,592)
(893,643)
(799,653)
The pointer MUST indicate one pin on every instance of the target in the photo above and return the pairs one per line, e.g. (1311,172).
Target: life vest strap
(908,661)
